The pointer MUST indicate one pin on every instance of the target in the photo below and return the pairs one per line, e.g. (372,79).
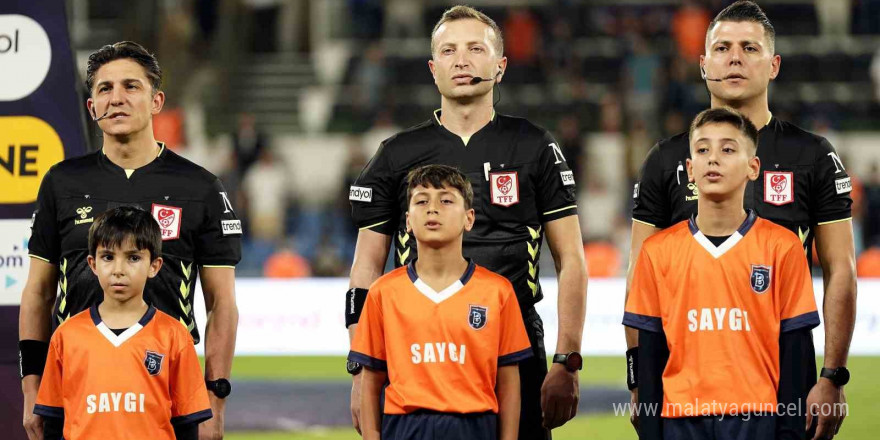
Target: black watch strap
(220,387)
(572,361)
(838,376)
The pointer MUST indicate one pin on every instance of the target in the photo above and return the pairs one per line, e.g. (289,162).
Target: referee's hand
(356,401)
(559,396)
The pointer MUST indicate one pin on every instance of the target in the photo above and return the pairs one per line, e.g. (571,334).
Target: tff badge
(504,188)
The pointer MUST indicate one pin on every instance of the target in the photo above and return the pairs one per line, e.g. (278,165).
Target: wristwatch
(220,387)
(353,367)
(839,376)
(572,361)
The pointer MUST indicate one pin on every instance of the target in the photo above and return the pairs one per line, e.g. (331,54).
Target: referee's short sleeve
(651,203)
(218,241)
(374,195)
(555,185)
(45,242)
(832,187)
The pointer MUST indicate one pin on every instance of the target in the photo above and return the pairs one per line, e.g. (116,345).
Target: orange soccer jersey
(723,309)
(134,385)
(442,350)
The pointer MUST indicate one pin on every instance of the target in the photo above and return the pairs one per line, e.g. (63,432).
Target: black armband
(32,357)
(354,303)
(632,368)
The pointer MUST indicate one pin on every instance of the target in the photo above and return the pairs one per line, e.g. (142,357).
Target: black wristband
(354,303)
(32,357)
(632,368)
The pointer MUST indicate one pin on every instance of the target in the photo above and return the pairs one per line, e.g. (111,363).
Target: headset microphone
(476,80)
(705,78)
(102,117)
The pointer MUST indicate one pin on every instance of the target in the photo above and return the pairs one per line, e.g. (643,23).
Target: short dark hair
(124,50)
(112,228)
(746,10)
(726,115)
(440,176)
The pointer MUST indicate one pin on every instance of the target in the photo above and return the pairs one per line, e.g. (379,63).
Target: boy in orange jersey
(444,333)
(122,369)
(730,296)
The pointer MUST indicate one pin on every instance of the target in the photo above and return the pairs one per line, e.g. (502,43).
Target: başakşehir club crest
(761,277)
(477,316)
(153,362)
(504,188)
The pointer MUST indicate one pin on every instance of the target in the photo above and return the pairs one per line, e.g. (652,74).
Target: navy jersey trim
(196,417)
(49,411)
(465,277)
(148,316)
(643,322)
(515,357)
(369,361)
(807,320)
(743,228)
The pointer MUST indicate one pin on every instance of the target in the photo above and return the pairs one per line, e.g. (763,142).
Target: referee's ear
(158,102)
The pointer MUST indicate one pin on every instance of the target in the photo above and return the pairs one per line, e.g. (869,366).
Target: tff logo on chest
(504,188)
(169,219)
(778,187)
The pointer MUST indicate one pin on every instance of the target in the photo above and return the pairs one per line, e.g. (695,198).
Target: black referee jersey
(199,227)
(520,181)
(802,182)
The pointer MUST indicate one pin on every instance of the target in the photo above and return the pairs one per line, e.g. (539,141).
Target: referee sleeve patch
(230,227)
(360,194)
(567,177)
(843,185)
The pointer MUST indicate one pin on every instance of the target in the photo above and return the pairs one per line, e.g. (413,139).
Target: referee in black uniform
(200,232)
(523,191)
(803,186)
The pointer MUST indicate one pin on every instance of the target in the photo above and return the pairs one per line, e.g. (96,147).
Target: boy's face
(123,270)
(437,216)
(722,161)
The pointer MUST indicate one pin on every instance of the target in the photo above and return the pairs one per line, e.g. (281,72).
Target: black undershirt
(118,331)
(715,240)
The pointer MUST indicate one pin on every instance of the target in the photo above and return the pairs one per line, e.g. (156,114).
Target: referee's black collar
(159,159)
(435,119)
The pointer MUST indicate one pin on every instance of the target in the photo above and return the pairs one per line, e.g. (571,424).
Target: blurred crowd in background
(286,100)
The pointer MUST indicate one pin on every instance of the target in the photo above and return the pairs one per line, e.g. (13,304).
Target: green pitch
(862,423)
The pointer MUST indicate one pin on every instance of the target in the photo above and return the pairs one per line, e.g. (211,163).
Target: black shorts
(431,425)
(720,428)
(532,372)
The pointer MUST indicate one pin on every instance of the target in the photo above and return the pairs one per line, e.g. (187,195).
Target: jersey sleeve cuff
(650,221)
(42,258)
(196,417)
(384,227)
(643,322)
(515,357)
(558,213)
(835,219)
(369,361)
(49,411)
(808,320)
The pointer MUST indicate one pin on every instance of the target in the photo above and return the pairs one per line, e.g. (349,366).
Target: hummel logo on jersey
(360,194)
(843,185)
(169,219)
(83,213)
(760,278)
(153,362)
(477,317)
(694,190)
(778,187)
